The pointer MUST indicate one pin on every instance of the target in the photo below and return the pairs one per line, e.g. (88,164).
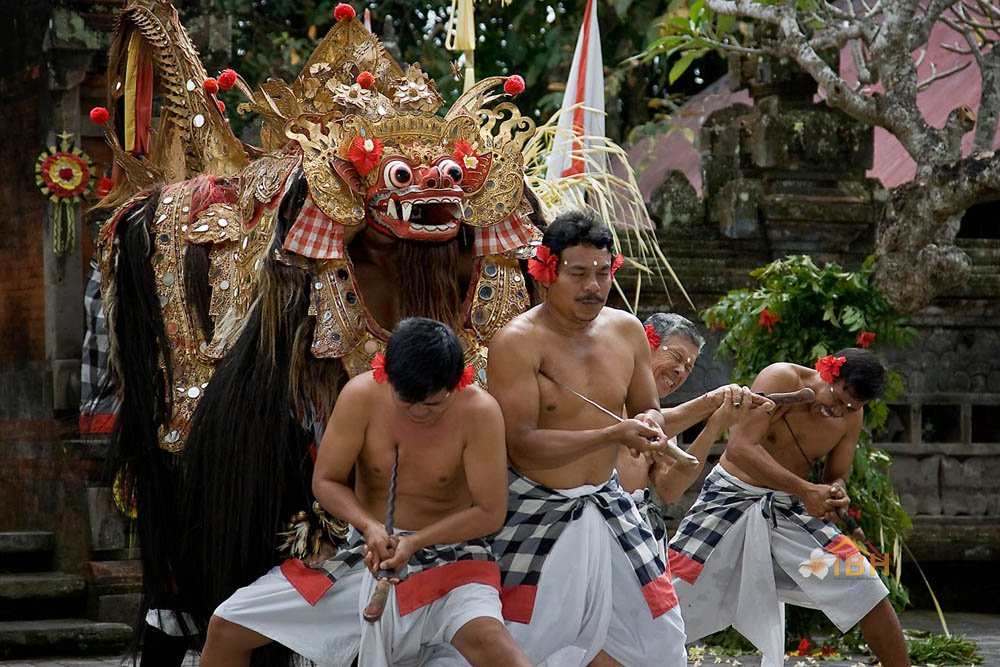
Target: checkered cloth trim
(98,404)
(654,517)
(721,503)
(315,235)
(509,234)
(537,517)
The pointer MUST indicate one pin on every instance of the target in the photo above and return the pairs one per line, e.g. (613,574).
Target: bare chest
(602,376)
(800,438)
(430,459)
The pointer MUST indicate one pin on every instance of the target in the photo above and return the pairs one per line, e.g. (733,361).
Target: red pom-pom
(543,267)
(222,105)
(468,375)
(343,11)
(366,79)
(652,337)
(227,79)
(378,369)
(514,85)
(210,85)
(104,186)
(99,115)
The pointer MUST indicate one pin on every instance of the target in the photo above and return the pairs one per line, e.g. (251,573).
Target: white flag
(583,106)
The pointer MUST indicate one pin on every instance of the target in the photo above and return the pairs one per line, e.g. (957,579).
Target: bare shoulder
(477,403)
(781,377)
(520,332)
(359,392)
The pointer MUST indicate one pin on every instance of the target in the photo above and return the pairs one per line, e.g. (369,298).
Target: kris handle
(376,604)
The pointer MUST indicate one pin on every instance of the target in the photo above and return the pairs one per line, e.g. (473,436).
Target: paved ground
(985,629)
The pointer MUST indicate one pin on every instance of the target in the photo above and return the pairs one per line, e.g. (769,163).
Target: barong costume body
(581,571)
(742,551)
(316,612)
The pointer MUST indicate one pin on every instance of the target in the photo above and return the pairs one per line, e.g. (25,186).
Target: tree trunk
(915,254)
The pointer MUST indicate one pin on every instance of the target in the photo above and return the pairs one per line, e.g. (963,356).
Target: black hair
(423,357)
(863,374)
(575,228)
(671,324)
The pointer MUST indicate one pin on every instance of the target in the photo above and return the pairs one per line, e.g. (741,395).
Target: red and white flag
(585,88)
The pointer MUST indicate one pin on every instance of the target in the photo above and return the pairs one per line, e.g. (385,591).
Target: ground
(983,628)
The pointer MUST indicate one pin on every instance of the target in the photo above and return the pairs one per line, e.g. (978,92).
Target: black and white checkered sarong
(537,516)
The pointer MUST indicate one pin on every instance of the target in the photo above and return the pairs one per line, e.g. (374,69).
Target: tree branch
(924,25)
(989,101)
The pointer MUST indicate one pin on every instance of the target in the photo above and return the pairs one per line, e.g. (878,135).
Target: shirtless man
(761,534)
(449,493)
(579,564)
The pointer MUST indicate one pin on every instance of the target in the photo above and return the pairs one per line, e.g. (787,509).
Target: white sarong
(743,551)
(328,633)
(408,640)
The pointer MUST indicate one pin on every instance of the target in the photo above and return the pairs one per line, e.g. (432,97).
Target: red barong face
(417,202)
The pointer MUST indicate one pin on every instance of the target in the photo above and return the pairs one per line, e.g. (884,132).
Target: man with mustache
(761,534)
(580,567)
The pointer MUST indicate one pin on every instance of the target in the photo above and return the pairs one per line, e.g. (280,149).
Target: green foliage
(273,38)
(927,649)
(798,313)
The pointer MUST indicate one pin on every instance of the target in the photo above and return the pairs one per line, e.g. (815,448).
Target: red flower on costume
(514,85)
(378,369)
(804,645)
(210,85)
(365,154)
(468,375)
(652,337)
(616,263)
(543,267)
(343,12)
(222,105)
(366,80)
(865,338)
(829,367)
(465,155)
(99,115)
(768,319)
(227,79)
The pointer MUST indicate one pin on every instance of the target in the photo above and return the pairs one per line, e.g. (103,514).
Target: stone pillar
(64,273)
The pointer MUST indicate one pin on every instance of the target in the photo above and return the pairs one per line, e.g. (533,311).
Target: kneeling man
(427,449)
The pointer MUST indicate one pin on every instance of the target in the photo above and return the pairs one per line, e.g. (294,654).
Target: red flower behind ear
(829,367)
(543,267)
(468,375)
(616,263)
(378,369)
(365,154)
(652,337)
(865,338)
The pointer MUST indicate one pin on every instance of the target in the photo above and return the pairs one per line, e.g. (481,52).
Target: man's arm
(671,481)
(684,416)
(485,463)
(838,466)
(342,443)
(746,452)
(513,382)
